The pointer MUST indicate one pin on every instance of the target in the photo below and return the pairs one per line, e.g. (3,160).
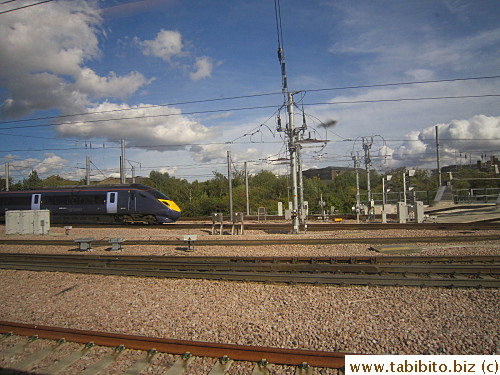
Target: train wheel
(125,219)
(150,219)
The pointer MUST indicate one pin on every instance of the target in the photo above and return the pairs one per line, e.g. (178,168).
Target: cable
(142,107)
(26,6)
(279,30)
(443,139)
(38,137)
(137,146)
(403,83)
(257,129)
(142,117)
(405,99)
(241,97)
(256,107)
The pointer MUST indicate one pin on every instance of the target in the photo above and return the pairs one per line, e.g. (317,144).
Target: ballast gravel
(371,320)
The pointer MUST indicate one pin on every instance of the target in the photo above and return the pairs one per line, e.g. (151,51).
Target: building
(327,174)
(490,166)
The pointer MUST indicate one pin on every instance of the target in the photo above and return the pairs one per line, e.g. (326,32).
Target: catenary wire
(254,108)
(26,6)
(244,97)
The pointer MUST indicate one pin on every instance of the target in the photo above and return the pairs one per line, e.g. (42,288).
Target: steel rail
(254,260)
(266,242)
(277,356)
(310,226)
(420,271)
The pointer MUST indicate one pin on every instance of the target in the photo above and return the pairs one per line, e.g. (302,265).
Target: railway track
(463,271)
(187,351)
(312,227)
(241,241)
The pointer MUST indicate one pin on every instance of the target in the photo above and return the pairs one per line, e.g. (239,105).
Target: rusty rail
(279,356)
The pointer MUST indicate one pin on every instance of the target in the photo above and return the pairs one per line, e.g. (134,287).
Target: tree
(32,182)
(3,184)
(55,181)
(174,188)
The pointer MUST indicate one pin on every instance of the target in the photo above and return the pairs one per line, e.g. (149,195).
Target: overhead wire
(25,6)
(403,99)
(251,108)
(142,107)
(403,83)
(208,100)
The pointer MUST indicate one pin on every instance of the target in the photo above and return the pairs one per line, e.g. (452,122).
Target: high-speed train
(102,203)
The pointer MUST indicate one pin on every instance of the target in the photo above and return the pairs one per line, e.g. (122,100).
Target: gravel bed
(390,320)
(452,249)
(375,320)
(352,249)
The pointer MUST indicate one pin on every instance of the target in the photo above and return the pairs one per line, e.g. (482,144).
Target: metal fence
(460,196)
(480,195)
(392,197)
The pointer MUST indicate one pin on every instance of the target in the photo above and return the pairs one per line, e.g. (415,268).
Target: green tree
(32,182)
(55,181)
(342,193)
(175,188)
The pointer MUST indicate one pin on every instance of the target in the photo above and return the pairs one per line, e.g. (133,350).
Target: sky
(185,82)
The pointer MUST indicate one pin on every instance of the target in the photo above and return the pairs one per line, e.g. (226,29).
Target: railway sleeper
(27,361)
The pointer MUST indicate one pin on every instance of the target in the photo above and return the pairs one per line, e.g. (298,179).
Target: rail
(468,271)
(296,240)
(262,356)
(315,227)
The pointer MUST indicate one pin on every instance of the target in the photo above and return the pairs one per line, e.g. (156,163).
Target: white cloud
(52,164)
(204,67)
(166,45)
(111,86)
(164,127)
(477,135)
(209,153)
(43,66)
(28,92)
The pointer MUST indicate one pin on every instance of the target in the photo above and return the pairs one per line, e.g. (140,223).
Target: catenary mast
(290,131)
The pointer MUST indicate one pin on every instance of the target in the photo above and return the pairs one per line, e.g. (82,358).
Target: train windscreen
(155,193)
(158,195)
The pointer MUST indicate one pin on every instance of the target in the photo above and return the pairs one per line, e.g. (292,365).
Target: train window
(112,198)
(157,194)
(19,201)
(36,199)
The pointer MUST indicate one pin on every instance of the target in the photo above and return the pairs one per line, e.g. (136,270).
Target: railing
(480,195)
(392,197)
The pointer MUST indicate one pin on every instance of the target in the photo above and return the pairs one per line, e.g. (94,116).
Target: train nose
(171,204)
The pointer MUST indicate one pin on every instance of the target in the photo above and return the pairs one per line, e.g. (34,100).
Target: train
(129,203)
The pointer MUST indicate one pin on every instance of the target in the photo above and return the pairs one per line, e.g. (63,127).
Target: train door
(35,201)
(132,202)
(112,202)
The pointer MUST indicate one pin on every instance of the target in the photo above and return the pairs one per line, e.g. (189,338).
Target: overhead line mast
(290,131)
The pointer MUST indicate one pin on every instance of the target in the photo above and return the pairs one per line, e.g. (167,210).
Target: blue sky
(78,76)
